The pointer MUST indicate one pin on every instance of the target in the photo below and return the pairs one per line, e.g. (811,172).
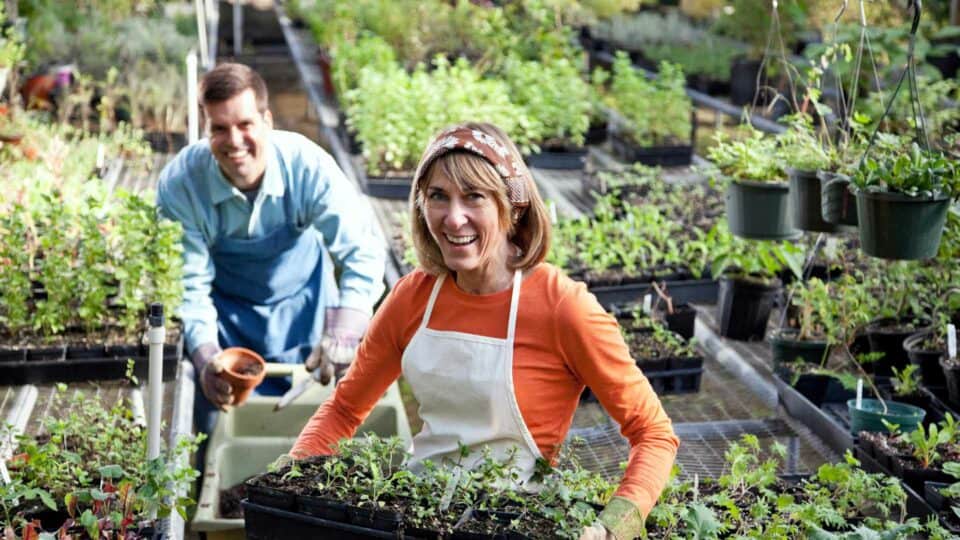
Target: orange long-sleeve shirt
(564,340)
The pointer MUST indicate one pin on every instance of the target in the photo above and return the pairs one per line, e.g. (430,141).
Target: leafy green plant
(556,99)
(762,260)
(915,173)
(631,93)
(752,156)
(906,381)
(394,114)
(801,148)
(93,459)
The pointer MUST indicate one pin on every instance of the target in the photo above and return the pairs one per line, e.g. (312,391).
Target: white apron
(464,384)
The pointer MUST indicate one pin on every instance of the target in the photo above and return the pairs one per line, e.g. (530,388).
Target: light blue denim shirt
(193,191)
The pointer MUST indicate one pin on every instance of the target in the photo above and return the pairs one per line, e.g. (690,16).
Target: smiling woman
(498,355)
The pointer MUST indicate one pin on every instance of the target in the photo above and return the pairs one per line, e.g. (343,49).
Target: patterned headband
(487,147)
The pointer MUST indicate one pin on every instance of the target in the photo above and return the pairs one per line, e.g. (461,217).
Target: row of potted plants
(80,263)
(86,475)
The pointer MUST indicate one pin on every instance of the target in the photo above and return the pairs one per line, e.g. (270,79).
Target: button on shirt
(193,191)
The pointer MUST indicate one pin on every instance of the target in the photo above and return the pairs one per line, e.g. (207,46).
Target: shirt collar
(272,184)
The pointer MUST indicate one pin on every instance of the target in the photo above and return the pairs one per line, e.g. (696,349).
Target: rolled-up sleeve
(175,202)
(350,231)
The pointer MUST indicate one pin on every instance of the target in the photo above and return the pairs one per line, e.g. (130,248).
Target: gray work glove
(343,329)
(209,368)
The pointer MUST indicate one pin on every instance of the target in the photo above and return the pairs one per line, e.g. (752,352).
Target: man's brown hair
(230,79)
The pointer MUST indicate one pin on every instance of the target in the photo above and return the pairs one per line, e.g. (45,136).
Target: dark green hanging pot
(760,210)
(805,202)
(837,204)
(897,226)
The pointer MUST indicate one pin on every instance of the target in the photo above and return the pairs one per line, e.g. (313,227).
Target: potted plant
(680,318)
(557,100)
(748,282)
(805,338)
(903,199)
(757,194)
(660,135)
(803,155)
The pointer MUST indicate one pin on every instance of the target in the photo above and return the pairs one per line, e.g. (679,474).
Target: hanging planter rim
(897,197)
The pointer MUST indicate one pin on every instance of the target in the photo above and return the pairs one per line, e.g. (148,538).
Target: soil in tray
(230,498)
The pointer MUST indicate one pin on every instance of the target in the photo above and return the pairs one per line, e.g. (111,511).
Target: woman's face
(466,226)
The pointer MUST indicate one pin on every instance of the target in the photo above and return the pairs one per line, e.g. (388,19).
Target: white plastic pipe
(237,26)
(193,105)
(200,7)
(155,336)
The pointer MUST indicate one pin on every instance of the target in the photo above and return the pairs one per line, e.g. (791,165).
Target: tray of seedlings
(77,282)
(660,233)
(671,363)
(365,490)
(86,475)
(837,500)
(914,454)
(944,498)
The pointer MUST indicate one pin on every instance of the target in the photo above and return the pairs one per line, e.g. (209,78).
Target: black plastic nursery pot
(895,226)
(682,320)
(929,361)
(744,306)
(596,133)
(760,210)
(786,348)
(951,373)
(838,205)
(664,156)
(743,81)
(574,159)
(805,203)
(887,336)
(871,414)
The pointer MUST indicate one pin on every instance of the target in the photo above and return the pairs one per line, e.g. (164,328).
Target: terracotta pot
(244,370)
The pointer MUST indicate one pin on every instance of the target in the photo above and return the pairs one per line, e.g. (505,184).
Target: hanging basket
(805,202)
(897,226)
(838,205)
(760,210)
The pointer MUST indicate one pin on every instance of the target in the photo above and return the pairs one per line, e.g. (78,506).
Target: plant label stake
(647,303)
(450,488)
(4,473)
(859,393)
(552,210)
(951,341)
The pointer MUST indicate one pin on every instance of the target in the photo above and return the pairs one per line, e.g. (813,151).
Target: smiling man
(263,213)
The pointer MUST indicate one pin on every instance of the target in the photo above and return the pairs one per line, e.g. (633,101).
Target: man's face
(238,138)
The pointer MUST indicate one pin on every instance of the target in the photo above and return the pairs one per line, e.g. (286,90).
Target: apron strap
(433,299)
(514,306)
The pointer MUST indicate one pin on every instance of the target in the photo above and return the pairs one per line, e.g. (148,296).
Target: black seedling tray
(265,523)
(41,365)
(685,291)
(916,504)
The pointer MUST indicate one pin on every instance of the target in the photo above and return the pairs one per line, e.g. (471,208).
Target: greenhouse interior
(479,269)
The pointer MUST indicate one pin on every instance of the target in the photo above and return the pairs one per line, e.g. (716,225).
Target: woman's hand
(597,532)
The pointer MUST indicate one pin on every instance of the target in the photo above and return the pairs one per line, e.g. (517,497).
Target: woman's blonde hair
(531,232)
